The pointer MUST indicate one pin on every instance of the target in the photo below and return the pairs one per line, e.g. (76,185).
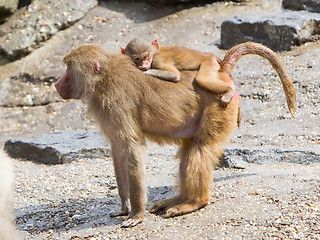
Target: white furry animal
(7,229)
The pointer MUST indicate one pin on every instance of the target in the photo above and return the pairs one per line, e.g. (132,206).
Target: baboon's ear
(156,44)
(96,68)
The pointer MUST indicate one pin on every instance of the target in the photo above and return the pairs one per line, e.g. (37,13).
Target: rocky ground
(273,198)
(270,201)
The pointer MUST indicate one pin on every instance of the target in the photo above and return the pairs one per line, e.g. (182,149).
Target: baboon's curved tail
(235,53)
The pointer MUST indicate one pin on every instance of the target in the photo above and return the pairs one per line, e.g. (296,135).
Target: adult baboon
(131,107)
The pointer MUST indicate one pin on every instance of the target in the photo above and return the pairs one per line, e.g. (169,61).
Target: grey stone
(29,27)
(58,147)
(7,7)
(279,32)
(309,5)
(66,146)
(9,4)
(238,158)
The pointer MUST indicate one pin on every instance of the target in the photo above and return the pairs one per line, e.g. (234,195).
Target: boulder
(65,146)
(239,157)
(32,25)
(309,5)
(58,147)
(7,8)
(279,32)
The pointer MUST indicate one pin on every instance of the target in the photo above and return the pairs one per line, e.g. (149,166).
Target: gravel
(73,201)
(258,201)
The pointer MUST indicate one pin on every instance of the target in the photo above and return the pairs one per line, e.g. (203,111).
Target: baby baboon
(165,62)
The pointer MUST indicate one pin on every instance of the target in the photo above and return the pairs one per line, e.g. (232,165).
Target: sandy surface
(262,201)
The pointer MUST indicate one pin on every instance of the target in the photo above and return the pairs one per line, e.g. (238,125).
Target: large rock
(7,7)
(237,157)
(309,5)
(58,147)
(66,146)
(29,27)
(279,32)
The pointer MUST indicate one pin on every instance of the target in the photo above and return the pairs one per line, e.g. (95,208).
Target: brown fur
(171,59)
(235,53)
(131,106)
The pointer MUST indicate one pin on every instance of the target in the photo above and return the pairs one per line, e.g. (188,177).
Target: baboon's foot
(131,222)
(162,205)
(119,213)
(183,208)
(176,207)
(124,211)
